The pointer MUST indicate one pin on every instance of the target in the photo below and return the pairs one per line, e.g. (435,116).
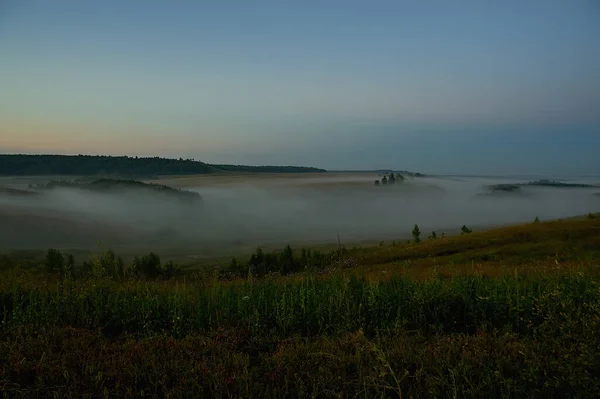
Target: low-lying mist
(276,211)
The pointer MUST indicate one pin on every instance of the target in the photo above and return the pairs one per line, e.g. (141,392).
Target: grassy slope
(491,252)
(507,312)
(525,246)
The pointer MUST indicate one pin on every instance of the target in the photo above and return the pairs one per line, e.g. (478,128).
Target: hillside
(88,165)
(537,183)
(14,192)
(511,312)
(115,186)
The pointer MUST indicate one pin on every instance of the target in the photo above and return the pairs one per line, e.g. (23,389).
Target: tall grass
(529,331)
(510,336)
(306,306)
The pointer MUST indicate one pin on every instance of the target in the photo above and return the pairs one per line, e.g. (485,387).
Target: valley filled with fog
(240,213)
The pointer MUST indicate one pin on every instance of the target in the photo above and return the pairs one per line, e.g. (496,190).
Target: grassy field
(511,312)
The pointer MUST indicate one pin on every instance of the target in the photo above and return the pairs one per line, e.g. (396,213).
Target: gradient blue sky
(474,87)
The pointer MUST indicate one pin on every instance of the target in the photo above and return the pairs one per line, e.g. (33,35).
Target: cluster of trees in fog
(108,264)
(391,179)
(86,165)
(285,262)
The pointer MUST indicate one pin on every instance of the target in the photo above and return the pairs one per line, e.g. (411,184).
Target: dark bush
(55,261)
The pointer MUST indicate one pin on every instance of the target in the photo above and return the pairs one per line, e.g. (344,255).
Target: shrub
(69,268)
(107,264)
(148,266)
(55,261)
(255,263)
(416,233)
(5,262)
(286,261)
(170,270)
(87,268)
(465,230)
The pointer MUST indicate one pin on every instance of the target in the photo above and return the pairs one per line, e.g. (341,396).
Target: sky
(471,87)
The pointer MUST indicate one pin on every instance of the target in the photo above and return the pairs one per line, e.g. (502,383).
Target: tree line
(285,262)
(87,165)
(268,169)
(108,264)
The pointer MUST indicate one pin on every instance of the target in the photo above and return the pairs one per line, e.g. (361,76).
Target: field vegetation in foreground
(512,312)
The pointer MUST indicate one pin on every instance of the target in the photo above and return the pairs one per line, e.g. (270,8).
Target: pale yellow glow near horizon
(71,138)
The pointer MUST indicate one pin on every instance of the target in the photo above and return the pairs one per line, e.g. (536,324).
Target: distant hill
(268,169)
(15,192)
(538,183)
(553,183)
(116,186)
(99,165)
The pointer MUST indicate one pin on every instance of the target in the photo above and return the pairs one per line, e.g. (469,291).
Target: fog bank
(271,211)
